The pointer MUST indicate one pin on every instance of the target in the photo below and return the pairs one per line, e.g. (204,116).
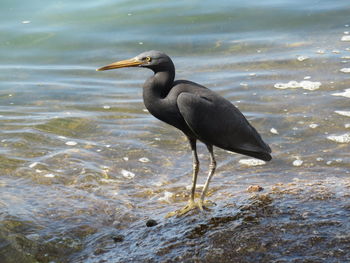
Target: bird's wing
(217,121)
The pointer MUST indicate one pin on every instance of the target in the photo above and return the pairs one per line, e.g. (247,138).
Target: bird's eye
(147,59)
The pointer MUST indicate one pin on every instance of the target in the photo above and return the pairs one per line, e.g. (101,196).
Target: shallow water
(83,166)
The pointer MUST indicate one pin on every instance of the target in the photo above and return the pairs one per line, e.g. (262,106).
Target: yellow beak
(133,62)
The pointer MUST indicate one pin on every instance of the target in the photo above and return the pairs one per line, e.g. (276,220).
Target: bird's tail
(262,155)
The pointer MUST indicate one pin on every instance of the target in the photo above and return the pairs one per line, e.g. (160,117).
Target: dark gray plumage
(198,112)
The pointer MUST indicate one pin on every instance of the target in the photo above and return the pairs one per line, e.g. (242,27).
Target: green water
(82,162)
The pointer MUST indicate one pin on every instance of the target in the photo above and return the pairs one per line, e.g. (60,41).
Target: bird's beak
(133,62)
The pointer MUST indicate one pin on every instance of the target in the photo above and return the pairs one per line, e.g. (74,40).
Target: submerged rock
(254,188)
(151,223)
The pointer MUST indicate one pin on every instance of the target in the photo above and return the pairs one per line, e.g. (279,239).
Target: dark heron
(198,112)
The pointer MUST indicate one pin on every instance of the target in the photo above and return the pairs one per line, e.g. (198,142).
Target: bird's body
(204,115)
(198,112)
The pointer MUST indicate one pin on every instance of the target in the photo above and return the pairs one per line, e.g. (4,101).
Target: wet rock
(151,223)
(254,188)
(250,219)
(118,238)
(99,251)
(198,231)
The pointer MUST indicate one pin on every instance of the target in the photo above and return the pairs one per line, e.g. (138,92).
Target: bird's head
(154,60)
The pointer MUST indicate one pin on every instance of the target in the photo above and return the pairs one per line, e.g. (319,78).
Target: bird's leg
(212,167)
(195,169)
(195,165)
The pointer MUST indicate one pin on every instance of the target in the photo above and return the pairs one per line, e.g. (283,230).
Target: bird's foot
(201,205)
(204,205)
(190,206)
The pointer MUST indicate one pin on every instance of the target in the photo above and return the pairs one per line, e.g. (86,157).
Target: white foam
(346,93)
(344,138)
(302,58)
(305,84)
(127,174)
(71,143)
(273,131)
(345,38)
(343,113)
(144,160)
(49,175)
(297,162)
(167,197)
(32,165)
(345,70)
(251,162)
(313,125)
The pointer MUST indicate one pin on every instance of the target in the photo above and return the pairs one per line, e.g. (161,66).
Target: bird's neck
(159,85)
(155,91)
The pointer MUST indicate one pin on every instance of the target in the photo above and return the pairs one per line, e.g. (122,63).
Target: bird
(200,113)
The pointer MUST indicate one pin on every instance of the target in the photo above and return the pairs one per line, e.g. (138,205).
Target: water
(83,166)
